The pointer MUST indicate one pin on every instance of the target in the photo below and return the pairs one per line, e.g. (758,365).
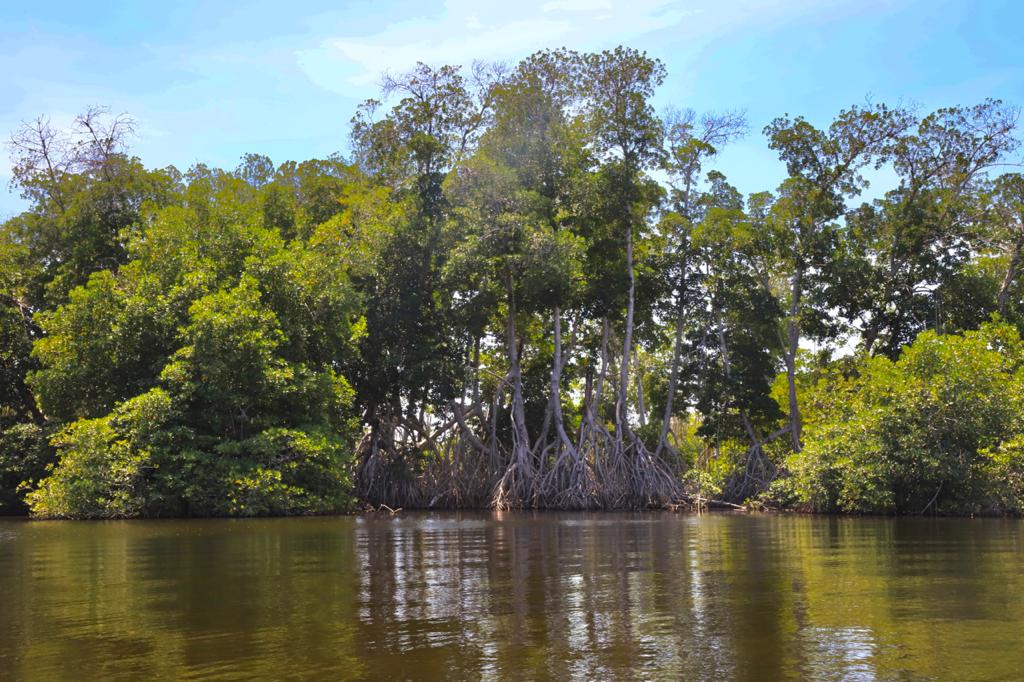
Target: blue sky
(209,81)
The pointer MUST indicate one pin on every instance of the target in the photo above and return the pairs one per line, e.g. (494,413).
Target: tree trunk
(622,407)
(673,379)
(641,405)
(790,354)
(518,404)
(599,390)
(593,392)
(517,485)
(476,370)
(556,386)
(1011,273)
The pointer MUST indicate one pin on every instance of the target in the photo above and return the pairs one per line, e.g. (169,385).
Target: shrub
(936,430)
(106,465)
(25,452)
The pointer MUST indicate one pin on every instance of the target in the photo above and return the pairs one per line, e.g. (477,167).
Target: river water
(513,596)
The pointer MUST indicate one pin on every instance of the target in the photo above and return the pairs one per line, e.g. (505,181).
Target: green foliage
(289,471)
(205,369)
(15,363)
(139,461)
(92,356)
(527,283)
(107,465)
(25,454)
(936,430)
(710,474)
(1003,469)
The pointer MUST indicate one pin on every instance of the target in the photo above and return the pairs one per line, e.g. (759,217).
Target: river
(513,596)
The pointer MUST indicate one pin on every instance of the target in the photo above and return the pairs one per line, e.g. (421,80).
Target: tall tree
(909,246)
(412,354)
(824,172)
(691,141)
(1007,233)
(627,137)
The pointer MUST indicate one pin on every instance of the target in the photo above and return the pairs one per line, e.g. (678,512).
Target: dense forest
(524,287)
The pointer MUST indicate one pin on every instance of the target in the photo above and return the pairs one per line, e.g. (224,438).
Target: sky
(208,81)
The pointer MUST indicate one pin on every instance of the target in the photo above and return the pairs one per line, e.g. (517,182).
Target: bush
(1005,469)
(25,453)
(138,462)
(288,471)
(937,430)
(106,466)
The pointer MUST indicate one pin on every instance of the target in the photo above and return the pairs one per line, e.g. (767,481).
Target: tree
(201,377)
(1006,236)
(691,142)
(908,248)
(412,351)
(736,333)
(516,214)
(824,170)
(627,137)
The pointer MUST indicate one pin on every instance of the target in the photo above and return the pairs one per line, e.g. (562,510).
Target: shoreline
(415,511)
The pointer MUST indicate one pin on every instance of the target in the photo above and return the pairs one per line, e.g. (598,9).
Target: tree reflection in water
(513,596)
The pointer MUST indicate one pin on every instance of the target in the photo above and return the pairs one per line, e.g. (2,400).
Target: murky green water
(518,596)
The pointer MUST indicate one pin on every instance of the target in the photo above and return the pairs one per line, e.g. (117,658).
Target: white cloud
(576,5)
(402,49)
(460,31)
(466,30)
(145,130)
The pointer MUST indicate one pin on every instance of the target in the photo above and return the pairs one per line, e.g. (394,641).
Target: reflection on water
(513,596)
